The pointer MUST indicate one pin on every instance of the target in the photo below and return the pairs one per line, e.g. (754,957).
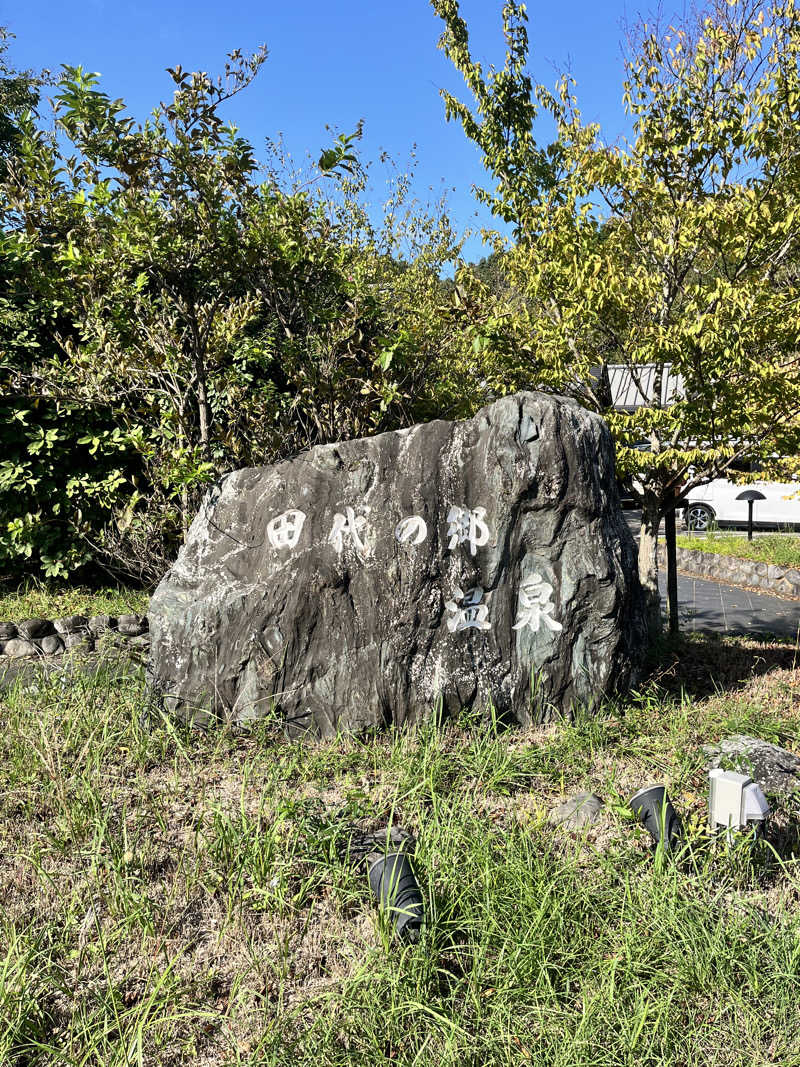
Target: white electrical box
(735,801)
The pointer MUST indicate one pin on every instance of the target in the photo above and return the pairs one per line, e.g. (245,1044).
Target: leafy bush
(175,316)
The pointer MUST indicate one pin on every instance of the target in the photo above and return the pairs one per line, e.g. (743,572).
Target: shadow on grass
(701,664)
(783,833)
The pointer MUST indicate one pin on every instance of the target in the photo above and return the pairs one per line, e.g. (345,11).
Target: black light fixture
(750,495)
(653,807)
(394,883)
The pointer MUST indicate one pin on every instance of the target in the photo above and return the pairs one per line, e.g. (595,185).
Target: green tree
(491,272)
(50,483)
(671,254)
(19,94)
(207,316)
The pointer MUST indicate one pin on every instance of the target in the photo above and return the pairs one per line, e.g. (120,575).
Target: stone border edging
(53,637)
(783,581)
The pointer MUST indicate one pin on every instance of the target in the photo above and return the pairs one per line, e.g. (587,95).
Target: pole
(672,569)
(749,520)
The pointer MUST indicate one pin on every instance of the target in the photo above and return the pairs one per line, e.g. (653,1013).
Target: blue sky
(330,63)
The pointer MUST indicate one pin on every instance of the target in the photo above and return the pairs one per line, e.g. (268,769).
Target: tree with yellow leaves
(670,257)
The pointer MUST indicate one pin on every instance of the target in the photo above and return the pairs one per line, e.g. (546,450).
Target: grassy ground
(781,549)
(168,898)
(33,601)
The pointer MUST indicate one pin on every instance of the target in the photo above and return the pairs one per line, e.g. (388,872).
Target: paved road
(705,605)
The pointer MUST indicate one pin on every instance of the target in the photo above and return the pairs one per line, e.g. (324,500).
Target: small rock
(71,624)
(774,768)
(30,628)
(50,646)
(7,631)
(98,624)
(581,810)
(131,625)
(83,641)
(18,647)
(142,641)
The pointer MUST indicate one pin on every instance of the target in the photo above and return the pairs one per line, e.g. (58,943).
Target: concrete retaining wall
(785,581)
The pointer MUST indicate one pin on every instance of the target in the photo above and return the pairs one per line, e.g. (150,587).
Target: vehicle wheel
(699,517)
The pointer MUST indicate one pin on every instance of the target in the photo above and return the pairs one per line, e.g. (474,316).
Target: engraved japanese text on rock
(359,584)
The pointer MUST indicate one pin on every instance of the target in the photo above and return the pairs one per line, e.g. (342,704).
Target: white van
(716,503)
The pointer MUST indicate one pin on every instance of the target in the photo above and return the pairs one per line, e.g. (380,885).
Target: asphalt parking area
(707,605)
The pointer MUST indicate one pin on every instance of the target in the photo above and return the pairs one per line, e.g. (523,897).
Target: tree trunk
(672,569)
(203,406)
(648,561)
(185,517)
(181,438)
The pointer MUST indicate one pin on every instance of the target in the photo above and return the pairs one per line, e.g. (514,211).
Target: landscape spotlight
(395,885)
(735,802)
(653,807)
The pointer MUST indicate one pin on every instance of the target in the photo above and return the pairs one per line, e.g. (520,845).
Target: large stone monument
(363,583)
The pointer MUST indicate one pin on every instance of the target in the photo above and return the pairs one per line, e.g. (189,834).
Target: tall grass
(172,896)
